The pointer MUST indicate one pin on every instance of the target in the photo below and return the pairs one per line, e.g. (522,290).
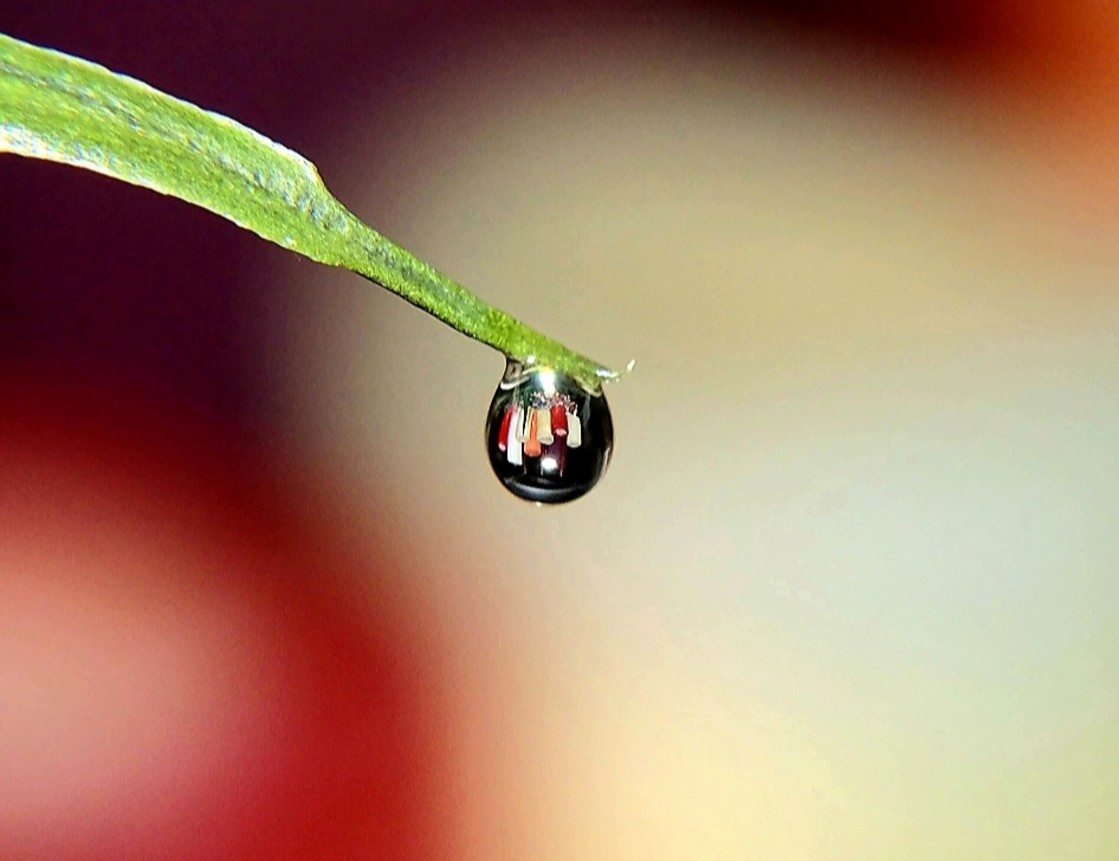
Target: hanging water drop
(548,438)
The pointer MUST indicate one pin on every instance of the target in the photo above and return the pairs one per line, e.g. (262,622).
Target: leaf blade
(61,108)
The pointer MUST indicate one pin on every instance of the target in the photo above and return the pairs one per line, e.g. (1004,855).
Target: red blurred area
(1037,78)
(187,666)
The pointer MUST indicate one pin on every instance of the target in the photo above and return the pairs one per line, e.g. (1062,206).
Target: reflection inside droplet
(548,438)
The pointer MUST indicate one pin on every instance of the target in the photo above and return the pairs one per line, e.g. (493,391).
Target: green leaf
(61,108)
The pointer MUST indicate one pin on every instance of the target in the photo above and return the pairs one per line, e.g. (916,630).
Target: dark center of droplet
(548,438)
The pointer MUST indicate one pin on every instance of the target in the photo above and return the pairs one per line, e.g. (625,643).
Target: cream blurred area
(848,590)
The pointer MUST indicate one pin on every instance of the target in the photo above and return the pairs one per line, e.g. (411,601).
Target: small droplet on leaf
(548,438)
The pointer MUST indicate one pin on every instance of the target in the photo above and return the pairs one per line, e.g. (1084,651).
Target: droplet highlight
(548,438)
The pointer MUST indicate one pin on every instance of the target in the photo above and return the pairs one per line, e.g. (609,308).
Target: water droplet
(548,438)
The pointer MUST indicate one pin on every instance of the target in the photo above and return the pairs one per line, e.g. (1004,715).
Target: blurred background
(849,589)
